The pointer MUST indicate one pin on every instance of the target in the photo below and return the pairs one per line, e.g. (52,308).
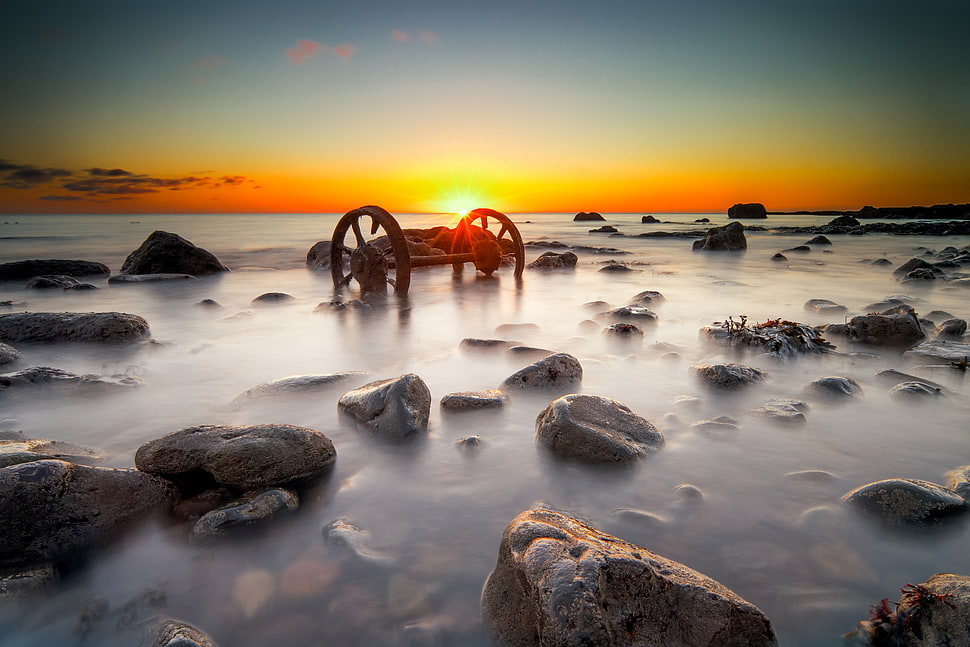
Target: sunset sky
(319,106)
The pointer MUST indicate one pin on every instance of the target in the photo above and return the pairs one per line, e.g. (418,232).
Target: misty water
(437,511)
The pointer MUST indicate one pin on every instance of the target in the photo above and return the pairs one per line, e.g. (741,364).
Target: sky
(521,106)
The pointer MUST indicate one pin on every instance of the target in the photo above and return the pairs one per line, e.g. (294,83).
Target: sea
(770,524)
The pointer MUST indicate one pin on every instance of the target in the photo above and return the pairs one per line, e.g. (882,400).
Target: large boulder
(561,582)
(43,379)
(38,267)
(558,371)
(393,408)
(55,511)
(48,327)
(728,238)
(318,256)
(166,253)
(906,501)
(901,330)
(242,457)
(595,429)
(747,210)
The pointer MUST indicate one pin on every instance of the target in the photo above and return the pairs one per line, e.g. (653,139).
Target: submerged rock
(647,297)
(630,314)
(623,331)
(244,457)
(274,297)
(559,581)
(299,385)
(353,539)
(166,253)
(156,277)
(777,337)
(50,327)
(595,429)
(9,354)
(727,376)
(784,411)
(465,400)
(15,451)
(914,391)
(253,508)
(824,306)
(835,387)
(554,372)
(55,511)
(727,238)
(394,408)
(48,281)
(38,267)
(57,381)
(554,261)
(906,501)
(952,351)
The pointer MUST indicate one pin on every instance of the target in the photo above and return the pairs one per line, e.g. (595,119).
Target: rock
(157,277)
(554,261)
(513,329)
(554,372)
(843,222)
(951,328)
(243,457)
(779,257)
(299,385)
(811,476)
(55,380)
(647,297)
(727,376)
(882,261)
(914,264)
(748,210)
(469,442)
(819,240)
(787,412)
(527,353)
(613,266)
(630,314)
(353,539)
(465,400)
(688,492)
(164,253)
(595,429)
(958,480)
(886,330)
(648,219)
(52,281)
(318,256)
(892,377)
(253,508)
(175,633)
(13,452)
(825,306)
(932,614)
(9,354)
(605,229)
(37,267)
(951,351)
(800,249)
(394,408)
(273,297)
(835,387)
(714,427)
(727,238)
(559,581)
(50,327)
(584,216)
(209,303)
(914,391)
(26,582)
(906,501)
(474,345)
(624,331)
(55,511)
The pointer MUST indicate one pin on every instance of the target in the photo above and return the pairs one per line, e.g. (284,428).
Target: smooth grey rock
(647,297)
(253,508)
(728,238)
(886,330)
(951,328)
(914,391)
(958,480)
(318,256)
(155,277)
(595,429)
(715,427)
(348,536)
(55,511)
(559,581)
(727,376)
(175,633)
(783,412)
(824,306)
(554,372)
(949,351)
(472,344)
(56,381)
(244,457)
(9,354)
(274,297)
(778,257)
(554,261)
(166,253)
(299,385)
(48,327)
(834,387)
(394,408)
(799,249)
(613,266)
(630,314)
(466,400)
(39,267)
(48,281)
(906,501)
(13,452)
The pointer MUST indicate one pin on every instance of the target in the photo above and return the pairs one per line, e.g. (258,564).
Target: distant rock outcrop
(584,216)
(166,253)
(728,238)
(748,210)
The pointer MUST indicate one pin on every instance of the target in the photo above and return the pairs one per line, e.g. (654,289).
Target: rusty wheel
(372,262)
(508,237)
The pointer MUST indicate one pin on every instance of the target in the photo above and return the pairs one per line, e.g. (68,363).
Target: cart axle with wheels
(388,258)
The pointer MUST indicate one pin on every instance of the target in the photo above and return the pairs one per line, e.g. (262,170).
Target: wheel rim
(507,231)
(354,224)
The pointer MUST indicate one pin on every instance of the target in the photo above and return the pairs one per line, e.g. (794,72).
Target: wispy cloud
(400,36)
(425,36)
(344,51)
(428,37)
(303,51)
(118,181)
(211,61)
(60,198)
(26,176)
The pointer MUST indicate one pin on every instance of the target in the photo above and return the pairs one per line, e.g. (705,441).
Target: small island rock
(166,253)
(747,210)
(587,216)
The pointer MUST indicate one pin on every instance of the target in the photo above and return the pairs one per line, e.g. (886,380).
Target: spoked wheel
(508,238)
(372,262)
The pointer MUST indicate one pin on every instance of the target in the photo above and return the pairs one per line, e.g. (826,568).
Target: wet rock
(811,476)
(554,261)
(951,328)
(157,277)
(605,229)
(630,314)
(882,261)
(13,452)
(465,400)
(243,457)
(715,427)
(779,257)
(906,501)
(915,264)
(253,508)
(54,381)
(469,442)
(50,327)
(625,331)
(595,429)
(613,266)
(554,372)
(273,297)
(891,377)
(318,256)
(26,582)
(958,480)
(647,297)
(300,385)
(48,281)
(950,351)
(472,344)
(799,249)
(526,353)
(641,518)
(886,330)
(559,581)
(688,492)
(38,267)
(513,329)
(393,408)
(353,539)
(727,238)
(252,590)
(166,253)
(9,354)
(209,303)
(819,240)
(931,614)
(844,221)
(786,412)
(587,216)
(55,511)
(835,387)
(648,219)
(914,391)
(727,376)
(747,210)
(175,633)
(825,306)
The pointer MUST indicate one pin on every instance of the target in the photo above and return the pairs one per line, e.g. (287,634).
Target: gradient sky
(254,106)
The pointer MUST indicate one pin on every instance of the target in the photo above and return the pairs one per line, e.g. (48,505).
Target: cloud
(114,172)
(25,176)
(210,61)
(232,180)
(303,51)
(428,38)
(119,182)
(59,198)
(344,51)
(400,36)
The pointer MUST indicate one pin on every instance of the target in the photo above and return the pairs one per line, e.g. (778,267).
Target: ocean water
(436,511)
